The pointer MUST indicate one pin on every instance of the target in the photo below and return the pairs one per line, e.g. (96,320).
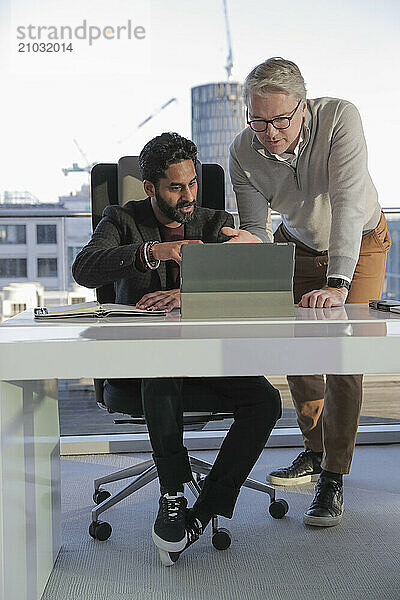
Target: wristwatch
(336,282)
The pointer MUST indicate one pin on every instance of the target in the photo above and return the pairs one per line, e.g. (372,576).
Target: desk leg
(30,511)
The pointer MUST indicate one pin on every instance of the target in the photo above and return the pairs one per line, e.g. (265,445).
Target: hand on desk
(171,250)
(325,298)
(240,236)
(163,299)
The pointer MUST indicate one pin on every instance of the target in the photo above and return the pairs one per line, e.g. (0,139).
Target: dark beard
(173,213)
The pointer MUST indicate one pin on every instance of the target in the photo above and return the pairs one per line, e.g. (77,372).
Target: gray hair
(274,75)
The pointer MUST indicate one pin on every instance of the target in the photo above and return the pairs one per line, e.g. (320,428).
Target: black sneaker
(327,507)
(304,469)
(194,530)
(169,529)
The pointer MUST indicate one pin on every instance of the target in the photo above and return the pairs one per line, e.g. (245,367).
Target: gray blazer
(109,257)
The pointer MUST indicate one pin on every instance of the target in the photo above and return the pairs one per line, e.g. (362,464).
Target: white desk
(34,355)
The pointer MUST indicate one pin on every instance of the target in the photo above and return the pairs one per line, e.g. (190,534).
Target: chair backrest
(104,191)
(113,183)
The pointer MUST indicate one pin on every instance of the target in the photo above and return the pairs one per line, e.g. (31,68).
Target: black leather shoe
(304,469)
(326,509)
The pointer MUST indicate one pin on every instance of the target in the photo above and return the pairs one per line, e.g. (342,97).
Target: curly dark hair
(161,152)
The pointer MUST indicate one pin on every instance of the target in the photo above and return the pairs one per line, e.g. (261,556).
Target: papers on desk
(92,309)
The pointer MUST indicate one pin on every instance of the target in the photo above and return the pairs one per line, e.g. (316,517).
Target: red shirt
(172,234)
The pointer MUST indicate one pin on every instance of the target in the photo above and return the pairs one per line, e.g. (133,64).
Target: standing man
(137,247)
(307,160)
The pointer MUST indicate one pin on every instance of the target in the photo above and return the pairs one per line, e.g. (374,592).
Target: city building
(38,243)
(16,297)
(18,197)
(217,117)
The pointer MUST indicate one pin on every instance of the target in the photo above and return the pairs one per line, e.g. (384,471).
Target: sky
(99,93)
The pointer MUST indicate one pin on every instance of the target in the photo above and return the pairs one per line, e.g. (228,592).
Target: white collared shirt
(290,157)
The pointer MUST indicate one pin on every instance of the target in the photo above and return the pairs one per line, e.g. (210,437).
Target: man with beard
(136,247)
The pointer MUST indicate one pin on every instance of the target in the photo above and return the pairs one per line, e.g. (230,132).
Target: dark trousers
(256,407)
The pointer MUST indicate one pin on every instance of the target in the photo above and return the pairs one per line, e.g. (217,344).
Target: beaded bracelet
(150,261)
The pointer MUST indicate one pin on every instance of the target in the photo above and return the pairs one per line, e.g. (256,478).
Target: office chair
(118,184)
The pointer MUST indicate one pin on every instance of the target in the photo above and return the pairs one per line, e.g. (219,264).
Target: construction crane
(170,101)
(75,167)
(88,166)
(229,58)
(147,119)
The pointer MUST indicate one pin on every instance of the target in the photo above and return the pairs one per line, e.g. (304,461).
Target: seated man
(137,248)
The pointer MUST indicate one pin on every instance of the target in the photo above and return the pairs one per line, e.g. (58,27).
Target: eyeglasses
(278,123)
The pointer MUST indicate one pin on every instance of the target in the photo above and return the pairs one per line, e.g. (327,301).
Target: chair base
(145,472)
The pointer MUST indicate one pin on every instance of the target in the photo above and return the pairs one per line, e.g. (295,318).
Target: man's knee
(123,395)
(266,405)
(277,405)
(271,402)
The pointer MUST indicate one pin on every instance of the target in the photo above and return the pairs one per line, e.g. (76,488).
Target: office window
(73,251)
(12,234)
(391,288)
(17,308)
(47,267)
(46,234)
(12,267)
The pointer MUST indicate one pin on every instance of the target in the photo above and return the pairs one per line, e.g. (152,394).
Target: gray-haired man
(307,160)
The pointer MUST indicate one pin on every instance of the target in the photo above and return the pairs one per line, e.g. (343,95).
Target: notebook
(91,309)
(237,280)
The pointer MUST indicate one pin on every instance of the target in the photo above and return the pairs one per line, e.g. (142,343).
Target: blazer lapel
(148,228)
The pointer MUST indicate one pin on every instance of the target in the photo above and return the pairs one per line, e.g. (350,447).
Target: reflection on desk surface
(355,320)
(238,331)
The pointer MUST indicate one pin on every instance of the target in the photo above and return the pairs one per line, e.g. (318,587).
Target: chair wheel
(168,559)
(221,539)
(278,508)
(100,496)
(100,530)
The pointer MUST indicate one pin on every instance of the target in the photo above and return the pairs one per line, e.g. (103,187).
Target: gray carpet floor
(268,559)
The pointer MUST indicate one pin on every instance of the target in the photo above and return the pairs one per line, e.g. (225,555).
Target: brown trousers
(328,412)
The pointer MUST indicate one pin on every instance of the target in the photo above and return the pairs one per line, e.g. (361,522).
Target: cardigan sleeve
(253,207)
(348,175)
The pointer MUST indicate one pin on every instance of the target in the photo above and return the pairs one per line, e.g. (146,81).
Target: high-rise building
(217,117)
